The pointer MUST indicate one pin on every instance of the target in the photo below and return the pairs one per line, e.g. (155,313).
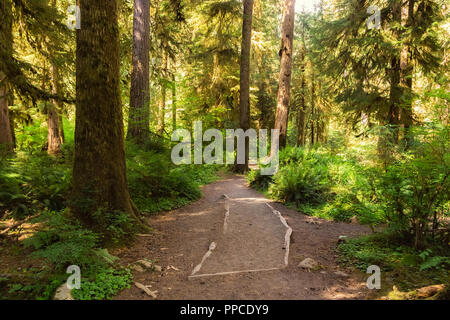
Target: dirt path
(251,237)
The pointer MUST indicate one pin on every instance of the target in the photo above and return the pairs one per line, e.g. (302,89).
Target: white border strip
(287,236)
(227,214)
(212,246)
(231,272)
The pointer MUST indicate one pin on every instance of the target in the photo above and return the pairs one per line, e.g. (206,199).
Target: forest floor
(249,255)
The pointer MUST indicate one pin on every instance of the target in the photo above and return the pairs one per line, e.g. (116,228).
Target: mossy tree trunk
(395,94)
(53,137)
(301,113)
(162,98)
(6,41)
(406,73)
(99,173)
(286,53)
(313,108)
(244,101)
(138,120)
(174,102)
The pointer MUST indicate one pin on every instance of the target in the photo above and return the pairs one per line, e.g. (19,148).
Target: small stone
(63,293)
(146,264)
(354,220)
(342,239)
(341,274)
(157,268)
(308,263)
(137,268)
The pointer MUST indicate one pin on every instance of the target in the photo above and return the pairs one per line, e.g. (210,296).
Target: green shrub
(156,184)
(105,284)
(63,241)
(415,189)
(408,267)
(33,182)
(300,183)
(259,181)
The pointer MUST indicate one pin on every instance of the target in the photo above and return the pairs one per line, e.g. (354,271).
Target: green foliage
(415,189)
(104,285)
(117,227)
(410,192)
(39,285)
(430,261)
(295,183)
(33,181)
(409,267)
(259,181)
(63,241)
(320,183)
(157,185)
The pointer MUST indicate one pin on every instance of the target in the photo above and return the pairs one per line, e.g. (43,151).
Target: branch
(5,231)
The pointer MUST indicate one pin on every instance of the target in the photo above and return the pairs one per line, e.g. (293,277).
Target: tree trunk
(406,74)
(6,138)
(395,94)
(138,120)
(6,41)
(61,129)
(99,174)
(174,103)
(244,101)
(53,137)
(162,99)
(301,114)
(287,36)
(12,126)
(313,108)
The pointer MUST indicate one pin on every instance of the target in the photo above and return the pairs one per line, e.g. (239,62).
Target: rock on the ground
(157,268)
(63,293)
(341,274)
(342,239)
(137,268)
(308,263)
(144,263)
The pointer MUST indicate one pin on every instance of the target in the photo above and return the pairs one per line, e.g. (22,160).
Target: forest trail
(251,242)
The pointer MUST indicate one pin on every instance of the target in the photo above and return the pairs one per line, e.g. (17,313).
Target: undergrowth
(401,264)
(33,183)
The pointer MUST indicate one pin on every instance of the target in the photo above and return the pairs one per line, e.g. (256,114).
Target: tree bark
(244,101)
(6,42)
(138,120)
(162,99)
(406,74)
(287,36)
(6,138)
(395,89)
(99,173)
(174,103)
(301,113)
(53,137)
(313,108)
(61,128)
